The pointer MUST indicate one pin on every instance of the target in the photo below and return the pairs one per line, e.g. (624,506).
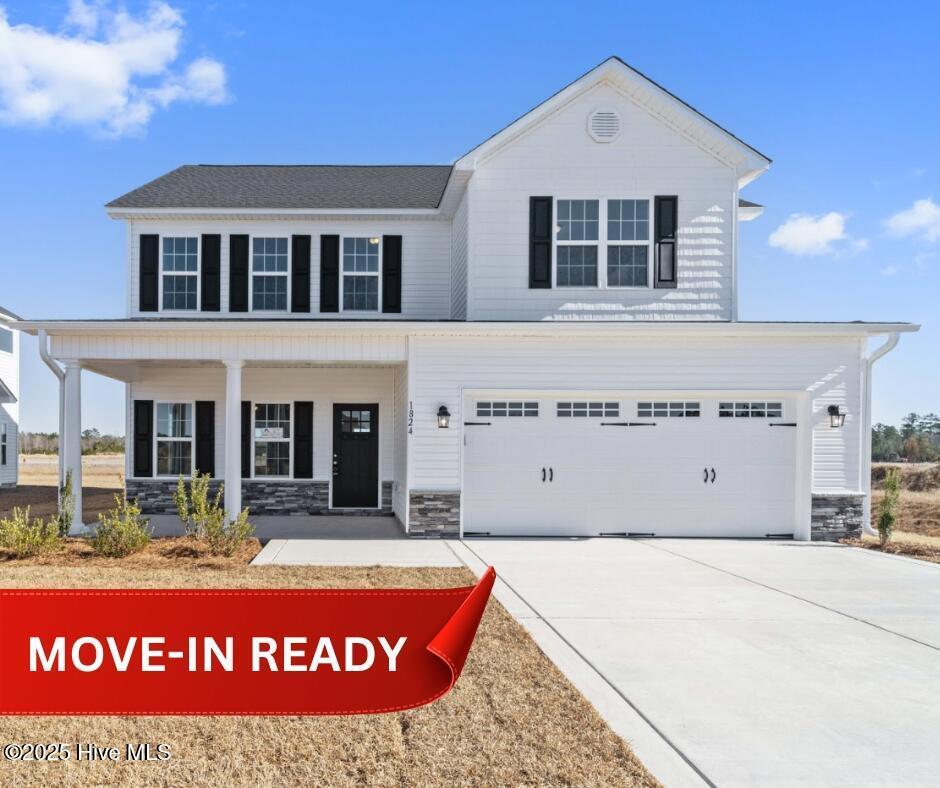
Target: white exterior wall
(400,459)
(10,412)
(426,254)
(324,386)
(443,368)
(559,159)
(460,239)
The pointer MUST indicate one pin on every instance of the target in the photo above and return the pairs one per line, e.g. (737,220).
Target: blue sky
(845,103)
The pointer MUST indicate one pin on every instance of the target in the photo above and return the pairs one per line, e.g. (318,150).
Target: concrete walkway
(752,663)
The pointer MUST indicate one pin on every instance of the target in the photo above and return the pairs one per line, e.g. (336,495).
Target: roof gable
(747,161)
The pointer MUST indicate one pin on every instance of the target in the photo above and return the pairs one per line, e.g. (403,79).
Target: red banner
(239,651)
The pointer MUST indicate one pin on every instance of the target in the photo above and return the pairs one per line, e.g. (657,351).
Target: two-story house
(538,339)
(9,399)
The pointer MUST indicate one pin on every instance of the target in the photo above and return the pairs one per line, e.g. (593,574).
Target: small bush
(225,536)
(25,538)
(66,506)
(121,530)
(888,507)
(197,509)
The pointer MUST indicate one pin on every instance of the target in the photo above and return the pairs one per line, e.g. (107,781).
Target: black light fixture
(836,416)
(443,417)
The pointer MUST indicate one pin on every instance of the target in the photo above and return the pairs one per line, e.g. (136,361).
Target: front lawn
(512,719)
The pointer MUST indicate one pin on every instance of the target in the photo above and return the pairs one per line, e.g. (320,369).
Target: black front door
(355,456)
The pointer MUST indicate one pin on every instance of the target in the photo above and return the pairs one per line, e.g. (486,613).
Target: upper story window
(180,273)
(272,439)
(3,443)
(360,274)
(616,231)
(576,258)
(6,340)
(174,438)
(269,274)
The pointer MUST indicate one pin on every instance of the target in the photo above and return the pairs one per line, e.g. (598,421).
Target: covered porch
(306,430)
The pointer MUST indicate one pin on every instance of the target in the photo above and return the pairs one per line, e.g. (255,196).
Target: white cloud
(810,235)
(107,70)
(889,270)
(921,220)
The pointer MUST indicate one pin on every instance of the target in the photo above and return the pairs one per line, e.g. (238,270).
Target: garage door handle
(706,476)
(713,475)
(551,474)
(543,474)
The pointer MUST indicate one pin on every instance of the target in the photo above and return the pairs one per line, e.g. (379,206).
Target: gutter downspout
(869,359)
(60,374)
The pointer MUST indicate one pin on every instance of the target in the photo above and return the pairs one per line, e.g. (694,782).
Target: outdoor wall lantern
(443,417)
(836,416)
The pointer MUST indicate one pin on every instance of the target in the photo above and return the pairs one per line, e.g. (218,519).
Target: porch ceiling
(127,370)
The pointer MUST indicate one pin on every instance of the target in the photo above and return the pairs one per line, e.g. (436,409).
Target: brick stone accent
(262,497)
(434,513)
(836,517)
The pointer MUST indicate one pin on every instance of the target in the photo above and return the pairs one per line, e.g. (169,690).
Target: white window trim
(603,242)
(157,439)
(343,274)
(197,274)
(251,275)
(290,440)
(4,444)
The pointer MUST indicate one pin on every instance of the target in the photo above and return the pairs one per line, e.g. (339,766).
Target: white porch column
(233,437)
(71,437)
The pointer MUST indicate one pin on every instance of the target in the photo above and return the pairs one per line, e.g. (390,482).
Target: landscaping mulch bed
(512,719)
(910,548)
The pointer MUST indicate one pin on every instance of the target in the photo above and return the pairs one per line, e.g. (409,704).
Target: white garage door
(682,466)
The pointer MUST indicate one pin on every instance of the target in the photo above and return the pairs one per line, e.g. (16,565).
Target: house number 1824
(411,417)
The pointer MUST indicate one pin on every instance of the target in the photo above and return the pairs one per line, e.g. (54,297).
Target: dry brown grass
(102,477)
(925,548)
(512,719)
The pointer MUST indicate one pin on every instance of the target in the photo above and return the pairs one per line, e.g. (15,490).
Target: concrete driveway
(760,663)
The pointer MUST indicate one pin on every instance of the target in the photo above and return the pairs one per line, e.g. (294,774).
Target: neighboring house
(541,338)
(9,399)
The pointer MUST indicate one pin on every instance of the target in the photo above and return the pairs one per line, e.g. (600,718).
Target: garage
(604,464)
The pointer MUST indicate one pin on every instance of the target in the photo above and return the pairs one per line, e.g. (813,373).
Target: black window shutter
(205,437)
(540,243)
(211,272)
(143,437)
(238,273)
(149,273)
(246,440)
(665,236)
(329,273)
(391,273)
(303,440)
(300,273)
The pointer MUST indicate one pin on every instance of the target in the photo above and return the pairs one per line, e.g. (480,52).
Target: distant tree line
(918,440)
(93,442)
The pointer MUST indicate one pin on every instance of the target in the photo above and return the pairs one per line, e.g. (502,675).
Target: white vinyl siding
(558,159)
(460,243)
(426,260)
(322,385)
(9,412)
(443,368)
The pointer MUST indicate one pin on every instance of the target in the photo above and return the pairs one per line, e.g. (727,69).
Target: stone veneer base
(836,517)
(434,513)
(299,497)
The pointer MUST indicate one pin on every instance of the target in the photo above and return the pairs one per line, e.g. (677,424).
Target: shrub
(66,506)
(25,538)
(121,530)
(888,507)
(197,509)
(225,536)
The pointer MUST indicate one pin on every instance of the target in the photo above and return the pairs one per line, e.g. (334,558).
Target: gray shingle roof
(311,186)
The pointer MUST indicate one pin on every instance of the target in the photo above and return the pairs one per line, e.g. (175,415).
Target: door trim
(378,441)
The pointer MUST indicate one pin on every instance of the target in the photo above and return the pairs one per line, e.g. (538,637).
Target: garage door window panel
(595,410)
(669,410)
(507,409)
(750,410)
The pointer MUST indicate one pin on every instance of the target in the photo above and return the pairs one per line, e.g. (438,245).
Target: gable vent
(604,124)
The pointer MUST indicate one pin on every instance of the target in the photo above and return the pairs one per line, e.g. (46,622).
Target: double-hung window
(576,250)
(180,272)
(3,444)
(361,274)
(272,440)
(615,231)
(174,438)
(628,235)
(269,274)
